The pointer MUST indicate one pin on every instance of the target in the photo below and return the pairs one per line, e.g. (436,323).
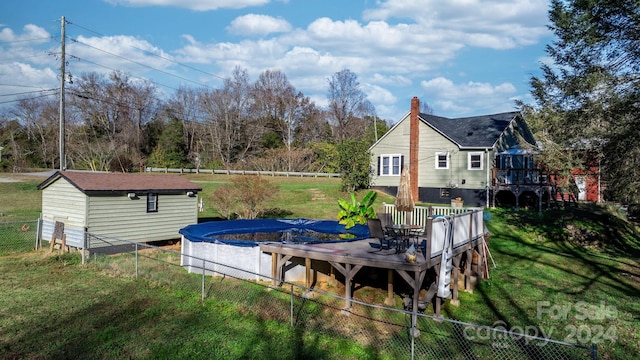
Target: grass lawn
(569,274)
(313,198)
(52,307)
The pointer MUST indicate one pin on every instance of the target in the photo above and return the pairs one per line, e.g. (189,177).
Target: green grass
(581,290)
(55,308)
(313,198)
(581,259)
(19,200)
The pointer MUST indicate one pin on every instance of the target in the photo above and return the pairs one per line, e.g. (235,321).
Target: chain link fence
(390,333)
(16,236)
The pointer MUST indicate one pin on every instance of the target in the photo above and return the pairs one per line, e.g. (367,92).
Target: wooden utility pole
(63,161)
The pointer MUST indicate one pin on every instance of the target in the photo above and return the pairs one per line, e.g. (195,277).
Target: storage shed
(133,207)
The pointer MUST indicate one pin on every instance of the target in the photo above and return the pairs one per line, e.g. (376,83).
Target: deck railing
(420,214)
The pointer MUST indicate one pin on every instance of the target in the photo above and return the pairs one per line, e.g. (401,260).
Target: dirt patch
(316,194)
(584,237)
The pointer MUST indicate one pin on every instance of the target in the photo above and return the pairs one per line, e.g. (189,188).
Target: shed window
(442,160)
(152,202)
(474,161)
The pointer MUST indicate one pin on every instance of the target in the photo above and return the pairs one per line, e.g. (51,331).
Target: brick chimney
(414,141)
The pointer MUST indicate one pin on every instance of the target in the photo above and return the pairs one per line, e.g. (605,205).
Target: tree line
(117,123)
(586,114)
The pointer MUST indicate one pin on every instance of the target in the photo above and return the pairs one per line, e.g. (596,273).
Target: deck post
(308,294)
(467,271)
(307,273)
(390,300)
(347,286)
(274,268)
(456,274)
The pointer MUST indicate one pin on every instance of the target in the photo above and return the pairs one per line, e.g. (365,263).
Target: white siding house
(133,207)
(447,158)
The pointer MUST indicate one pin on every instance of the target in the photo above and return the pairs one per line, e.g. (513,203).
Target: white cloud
(32,34)
(198,5)
(256,24)
(470,97)
(392,79)
(125,53)
(391,48)
(496,24)
(26,79)
(378,95)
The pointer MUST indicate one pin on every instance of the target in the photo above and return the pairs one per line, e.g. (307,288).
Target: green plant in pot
(355,212)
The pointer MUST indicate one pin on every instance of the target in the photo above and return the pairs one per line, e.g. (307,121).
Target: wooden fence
(241,172)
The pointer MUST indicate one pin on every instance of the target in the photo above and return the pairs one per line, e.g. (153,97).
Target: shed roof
(87,181)
(475,132)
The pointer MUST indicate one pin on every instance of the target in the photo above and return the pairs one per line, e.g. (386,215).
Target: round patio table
(403,234)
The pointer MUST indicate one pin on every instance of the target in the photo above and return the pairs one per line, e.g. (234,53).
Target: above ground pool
(252,232)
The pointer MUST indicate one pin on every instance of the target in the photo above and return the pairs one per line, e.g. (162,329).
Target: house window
(442,160)
(152,202)
(390,165)
(445,192)
(474,161)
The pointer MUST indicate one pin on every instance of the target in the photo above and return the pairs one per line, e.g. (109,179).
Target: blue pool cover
(298,231)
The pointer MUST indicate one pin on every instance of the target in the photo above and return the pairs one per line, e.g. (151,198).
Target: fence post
(594,351)
(84,246)
(203,268)
(136,260)
(38,231)
(291,304)
(414,320)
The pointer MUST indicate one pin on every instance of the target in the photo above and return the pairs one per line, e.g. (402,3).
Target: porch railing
(420,214)
(524,176)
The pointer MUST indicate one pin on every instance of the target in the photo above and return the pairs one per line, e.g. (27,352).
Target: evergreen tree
(171,150)
(353,162)
(589,97)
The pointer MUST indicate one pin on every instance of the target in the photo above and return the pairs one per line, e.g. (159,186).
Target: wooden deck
(349,258)
(466,235)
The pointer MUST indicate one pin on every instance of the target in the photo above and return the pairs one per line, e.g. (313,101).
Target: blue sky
(462,57)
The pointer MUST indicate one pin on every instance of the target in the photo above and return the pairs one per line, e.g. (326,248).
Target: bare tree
(348,105)
(40,119)
(231,129)
(14,142)
(281,106)
(425,108)
(186,107)
(114,110)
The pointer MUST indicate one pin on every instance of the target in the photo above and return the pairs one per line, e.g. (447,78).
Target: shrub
(244,197)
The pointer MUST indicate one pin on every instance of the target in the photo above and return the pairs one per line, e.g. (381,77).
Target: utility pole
(63,161)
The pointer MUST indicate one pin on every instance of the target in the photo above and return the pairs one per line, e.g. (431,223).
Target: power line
(30,98)
(156,55)
(112,69)
(27,40)
(23,57)
(24,86)
(26,92)
(139,63)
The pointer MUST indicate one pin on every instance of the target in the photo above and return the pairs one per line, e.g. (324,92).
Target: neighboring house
(458,158)
(134,207)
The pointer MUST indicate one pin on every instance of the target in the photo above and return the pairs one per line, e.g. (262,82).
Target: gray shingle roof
(473,132)
(93,182)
